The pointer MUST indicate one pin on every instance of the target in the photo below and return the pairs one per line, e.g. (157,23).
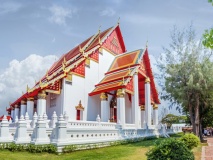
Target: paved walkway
(207,151)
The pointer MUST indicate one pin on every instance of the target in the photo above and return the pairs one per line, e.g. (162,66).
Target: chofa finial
(118,21)
(146,43)
(99,29)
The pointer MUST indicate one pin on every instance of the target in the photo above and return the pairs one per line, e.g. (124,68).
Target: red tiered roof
(118,73)
(76,55)
(120,70)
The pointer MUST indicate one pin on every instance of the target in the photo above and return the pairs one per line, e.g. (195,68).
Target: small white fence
(60,132)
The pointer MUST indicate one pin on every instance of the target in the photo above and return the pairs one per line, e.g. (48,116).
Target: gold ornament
(120,93)
(155,106)
(142,107)
(23,102)
(79,107)
(42,94)
(147,80)
(104,96)
(30,99)
(87,61)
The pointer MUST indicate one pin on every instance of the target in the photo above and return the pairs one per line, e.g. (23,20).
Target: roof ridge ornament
(118,22)
(146,43)
(27,88)
(81,49)
(99,30)
(129,71)
(47,76)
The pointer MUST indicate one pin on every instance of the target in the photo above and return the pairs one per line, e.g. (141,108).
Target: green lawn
(133,151)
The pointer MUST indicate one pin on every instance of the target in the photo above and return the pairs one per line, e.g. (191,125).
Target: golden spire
(147,44)
(47,76)
(118,22)
(99,40)
(123,80)
(40,83)
(99,29)
(27,88)
(80,49)
(65,62)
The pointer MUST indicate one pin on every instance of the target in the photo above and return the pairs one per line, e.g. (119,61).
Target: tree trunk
(201,132)
(192,117)
(197,116)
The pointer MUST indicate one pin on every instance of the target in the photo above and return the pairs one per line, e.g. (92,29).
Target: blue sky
(31,32)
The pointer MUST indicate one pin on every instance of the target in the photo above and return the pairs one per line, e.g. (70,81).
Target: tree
(210,1)
(186,69)
(170,119)
(208,38)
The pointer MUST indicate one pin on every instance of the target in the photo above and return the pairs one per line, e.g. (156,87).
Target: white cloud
(20,73)
(108,12)
(60,14)
(9,7)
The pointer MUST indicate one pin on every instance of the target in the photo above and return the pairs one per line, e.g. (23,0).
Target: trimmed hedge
(170,149)
(190,140)
(49,148)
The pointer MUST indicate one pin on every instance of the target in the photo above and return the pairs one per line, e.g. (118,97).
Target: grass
(133,151)
(198,150)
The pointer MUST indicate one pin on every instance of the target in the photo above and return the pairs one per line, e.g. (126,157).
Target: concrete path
(207,151)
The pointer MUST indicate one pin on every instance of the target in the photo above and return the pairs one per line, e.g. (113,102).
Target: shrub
(190,140)
(70,148)
(170,149)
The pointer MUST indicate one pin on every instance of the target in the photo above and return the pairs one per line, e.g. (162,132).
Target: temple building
(97,77)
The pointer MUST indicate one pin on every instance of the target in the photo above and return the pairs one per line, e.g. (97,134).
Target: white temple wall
(105,60)
(73,93)
(55,105)
(128,109)
(82,86)
(91,104)
(93,107)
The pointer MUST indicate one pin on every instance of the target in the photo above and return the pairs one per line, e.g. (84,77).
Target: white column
(142,107)
(148,102)
(23,107)
(155,114)
(104,107)
(12,114)
(30,107)
(41,103)
(121,107)
(16,111)
(136,116)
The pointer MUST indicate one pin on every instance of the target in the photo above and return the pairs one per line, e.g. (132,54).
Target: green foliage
(49,148)
(210,1)
(185,75)
(190,140)
(170,149)
(170,119)
(70,148)
(208,38)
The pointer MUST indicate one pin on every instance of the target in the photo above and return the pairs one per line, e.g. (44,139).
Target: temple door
(113,108)
(78,116)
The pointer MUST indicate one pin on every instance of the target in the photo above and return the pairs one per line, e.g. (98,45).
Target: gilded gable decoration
(79,106)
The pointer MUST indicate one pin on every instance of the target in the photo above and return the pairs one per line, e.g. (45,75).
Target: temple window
(52,100)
